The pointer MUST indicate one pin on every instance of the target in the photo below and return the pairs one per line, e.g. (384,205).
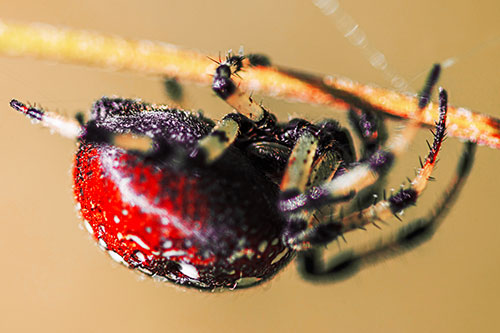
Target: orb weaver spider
(312,164)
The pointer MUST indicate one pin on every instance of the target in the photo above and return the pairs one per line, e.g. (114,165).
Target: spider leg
(74,129)
(371,130)
(296,177)
(223,135)
(217,141)
(334,151)
(174,90)
(68,128)
(299,173)
(326,232)
(299,164)
(369,127)
(324,168)
(367,173)
(226,89)
(349,261)
(212,145)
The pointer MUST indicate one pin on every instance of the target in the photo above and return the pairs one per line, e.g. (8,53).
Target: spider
(228,205)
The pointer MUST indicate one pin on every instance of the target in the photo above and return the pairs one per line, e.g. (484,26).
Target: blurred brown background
(55,279)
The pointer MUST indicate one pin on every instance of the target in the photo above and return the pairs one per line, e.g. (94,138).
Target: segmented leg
(371,130)
(296,177)
(412,234)
(73,129)
(368,172)
(66,127)
(212,146)
(224,134)
(217,141)
(381,211)
(226,89)
(299,164)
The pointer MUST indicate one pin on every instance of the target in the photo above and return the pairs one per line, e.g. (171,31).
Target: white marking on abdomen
(189,270)
(138,240)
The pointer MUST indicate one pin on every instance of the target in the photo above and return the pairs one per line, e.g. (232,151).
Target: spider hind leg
(333,227)
(250,114)
(313,266)
(374,167)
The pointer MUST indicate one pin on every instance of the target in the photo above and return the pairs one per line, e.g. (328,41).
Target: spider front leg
(228,129)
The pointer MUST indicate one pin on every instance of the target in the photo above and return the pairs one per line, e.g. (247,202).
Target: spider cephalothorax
(228,205)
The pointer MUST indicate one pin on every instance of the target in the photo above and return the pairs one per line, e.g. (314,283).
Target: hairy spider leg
(217,141)
(65,127)
(299,165)
(296,178)
(414,233)
(72,129)
(369,127)
(212,145)
(226,89)
(227,130)
(384,209)
(367,173)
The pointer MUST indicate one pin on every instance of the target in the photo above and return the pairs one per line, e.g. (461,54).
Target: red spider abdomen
(189,226)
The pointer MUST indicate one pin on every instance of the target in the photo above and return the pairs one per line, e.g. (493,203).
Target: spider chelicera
(227,205)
